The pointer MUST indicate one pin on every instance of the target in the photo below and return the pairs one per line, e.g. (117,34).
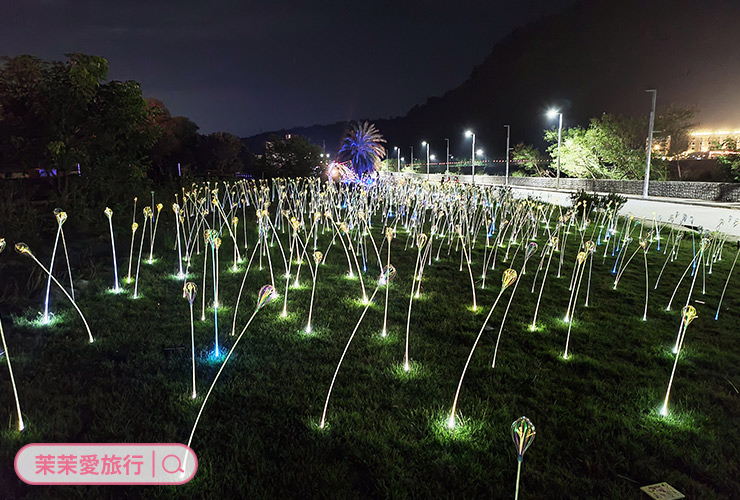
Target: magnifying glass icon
(177,469)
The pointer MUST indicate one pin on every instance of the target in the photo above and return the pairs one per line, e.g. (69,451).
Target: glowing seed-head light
(317,216)
(508,278)
(159,207)
(531,249)
(108,212)
(189,290)
(343,227)
(235,221)
(61,215)
(134,227)
(421,240)
(523,433)
(554,242)
(23,249)
(317,256)
(176,208)
(148,212)
(265,295)
(389,234)
(328,215)
(590,246)
(581,257)
(217,243)
(295,223)
(388,274)
(2,244)
(688,314)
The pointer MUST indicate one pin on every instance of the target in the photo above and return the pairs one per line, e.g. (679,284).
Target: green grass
(599,433)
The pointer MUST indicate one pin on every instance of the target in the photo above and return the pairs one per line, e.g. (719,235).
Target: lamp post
(551,114)
(508,135)
(649,144)
(398,156)
(469,133)
(425,143)
(447,158)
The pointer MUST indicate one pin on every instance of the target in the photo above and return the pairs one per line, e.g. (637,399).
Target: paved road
(706,214)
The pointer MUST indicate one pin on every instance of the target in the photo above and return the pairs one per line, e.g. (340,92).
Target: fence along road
(706,214)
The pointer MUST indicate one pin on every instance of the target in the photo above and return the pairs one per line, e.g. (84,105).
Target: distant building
(712,143)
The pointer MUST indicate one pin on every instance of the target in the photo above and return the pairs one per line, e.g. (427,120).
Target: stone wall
(711,191)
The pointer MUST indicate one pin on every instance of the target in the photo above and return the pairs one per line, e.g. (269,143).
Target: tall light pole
(551,114)
(398,156)
(649,144)
(447,158)
(425,143)
(470,133)
(508,135)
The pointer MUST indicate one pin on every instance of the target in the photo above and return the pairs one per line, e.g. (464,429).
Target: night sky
(248,67)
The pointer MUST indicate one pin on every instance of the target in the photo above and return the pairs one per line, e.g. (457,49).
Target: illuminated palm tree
(362,145)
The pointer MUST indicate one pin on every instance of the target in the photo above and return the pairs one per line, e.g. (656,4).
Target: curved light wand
(28,252)
(21,426)
(331,386)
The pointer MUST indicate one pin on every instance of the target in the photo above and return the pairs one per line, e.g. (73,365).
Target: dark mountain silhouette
(597,56)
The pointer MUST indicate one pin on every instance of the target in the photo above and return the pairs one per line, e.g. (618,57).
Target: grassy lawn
(599,431)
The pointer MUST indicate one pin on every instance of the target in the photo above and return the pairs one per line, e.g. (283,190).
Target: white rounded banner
(105,463)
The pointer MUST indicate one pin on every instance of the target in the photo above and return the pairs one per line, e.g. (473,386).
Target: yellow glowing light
(22,248)
(689,315)
(581,257)
(508,278)
(189,291)
(60,215)
(421,240)
(2,244)
(108,212)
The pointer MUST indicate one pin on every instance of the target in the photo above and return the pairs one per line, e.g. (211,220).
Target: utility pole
(649,144)
(508,136)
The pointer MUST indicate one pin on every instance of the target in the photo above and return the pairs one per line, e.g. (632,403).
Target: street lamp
(447,168)
(469,133)
(425,143)
(649,145)
(552,114)
(508,135)
(398,156)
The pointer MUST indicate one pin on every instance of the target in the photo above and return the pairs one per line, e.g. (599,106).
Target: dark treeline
(56,115)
